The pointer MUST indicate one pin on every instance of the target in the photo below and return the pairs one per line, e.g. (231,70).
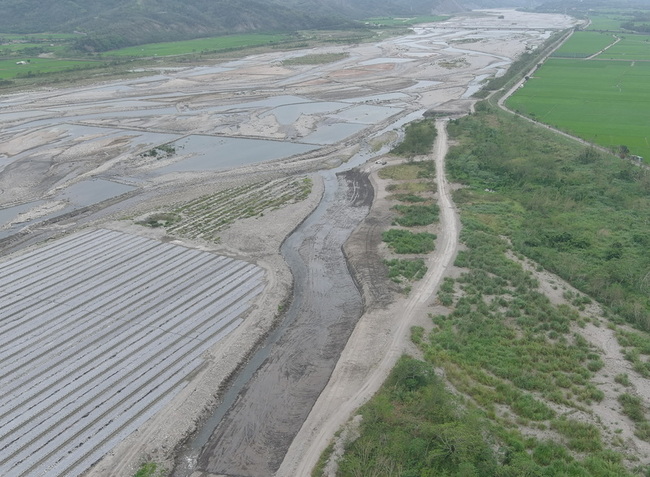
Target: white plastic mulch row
(97,332)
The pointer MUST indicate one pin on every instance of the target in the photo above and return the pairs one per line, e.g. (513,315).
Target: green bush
(150,469)
(418,139)
(408,269)
(582,437)
(632,407)
(416,215)
(404,241)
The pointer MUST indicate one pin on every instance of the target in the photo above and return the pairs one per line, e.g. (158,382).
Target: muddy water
(273,395)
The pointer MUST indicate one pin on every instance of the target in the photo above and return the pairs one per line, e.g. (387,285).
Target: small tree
(623,151)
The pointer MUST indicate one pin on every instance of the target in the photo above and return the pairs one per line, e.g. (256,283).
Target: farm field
(37,66)
(101,338)
(583,44)
(200,45)
(607,20)
(206,216)
(631,47)
(605,102)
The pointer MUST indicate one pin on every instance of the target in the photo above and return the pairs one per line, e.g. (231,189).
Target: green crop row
(206,216)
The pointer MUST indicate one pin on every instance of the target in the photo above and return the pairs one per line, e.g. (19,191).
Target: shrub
(408,269)
(418,138)
(416,215)
(404,241)
(632,407)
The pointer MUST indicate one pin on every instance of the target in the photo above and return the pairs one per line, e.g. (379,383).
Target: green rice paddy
(606,22)
(9,69)
(583,44)
(201,45)
(631,47)
(602,101)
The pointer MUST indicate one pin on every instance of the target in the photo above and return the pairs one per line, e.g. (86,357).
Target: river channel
(250,432)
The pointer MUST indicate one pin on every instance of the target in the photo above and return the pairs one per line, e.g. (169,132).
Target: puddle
(379,98)
(85,193)
(214,153)
(331,133)
(10,214)
(289,113)
(381,61)
(474,86)
(367,114)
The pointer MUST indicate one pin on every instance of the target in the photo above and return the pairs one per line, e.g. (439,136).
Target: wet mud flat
(257,431)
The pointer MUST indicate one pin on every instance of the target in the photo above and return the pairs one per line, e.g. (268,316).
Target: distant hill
(116,23)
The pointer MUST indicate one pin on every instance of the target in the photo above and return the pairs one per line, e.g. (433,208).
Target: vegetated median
(412,185)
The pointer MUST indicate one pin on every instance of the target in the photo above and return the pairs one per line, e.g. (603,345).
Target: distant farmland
(602,101)
(98,332)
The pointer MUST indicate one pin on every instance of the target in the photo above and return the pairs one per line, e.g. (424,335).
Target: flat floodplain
(605,102)
(98,332)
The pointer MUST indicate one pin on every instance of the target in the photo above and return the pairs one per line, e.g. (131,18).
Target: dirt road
(361,369)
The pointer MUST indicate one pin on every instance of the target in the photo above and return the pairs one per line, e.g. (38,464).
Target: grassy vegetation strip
(414,186)
(582,215)
(416,215)
(414,426)
(520,66)
(206,216)
(10,69)
(409,171)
